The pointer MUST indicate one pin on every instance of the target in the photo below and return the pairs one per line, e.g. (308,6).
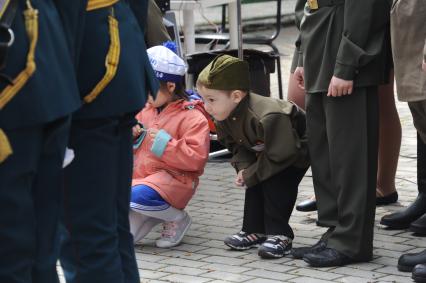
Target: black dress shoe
(402,219)
(389,199)
(298,253)
(327,258)
(307,205)
(406,262)
(419,226)
(419,273)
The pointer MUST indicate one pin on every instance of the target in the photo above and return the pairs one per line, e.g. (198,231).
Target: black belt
(317,4)
(7,37)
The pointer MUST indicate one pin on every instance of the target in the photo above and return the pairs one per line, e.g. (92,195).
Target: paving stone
(151,274)
(182,262)
(308,280)
(179,278)
(280,276)
(225,260)
(227,276)
(228,268)
(398,279)
(391,270)
(354,279)
(263,280)
(183,255)
(277,267)
(173,269)
(349,270)
(319,274)
(144,264)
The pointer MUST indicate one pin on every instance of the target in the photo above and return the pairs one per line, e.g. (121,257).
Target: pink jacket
(175,174)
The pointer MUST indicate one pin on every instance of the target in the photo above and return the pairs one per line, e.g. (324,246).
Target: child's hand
(424,66)
(299,75)
(339,87)
(239,181)
(137,131)
(152,132)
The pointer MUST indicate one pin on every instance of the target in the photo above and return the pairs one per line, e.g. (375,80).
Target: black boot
(407,262)
(419,273)
(419,226)
(403,219)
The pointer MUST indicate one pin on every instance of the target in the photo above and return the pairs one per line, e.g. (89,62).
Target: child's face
(219,103)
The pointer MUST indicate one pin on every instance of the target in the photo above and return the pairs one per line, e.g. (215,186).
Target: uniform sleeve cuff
(250,179)
(345,72)
(160,143)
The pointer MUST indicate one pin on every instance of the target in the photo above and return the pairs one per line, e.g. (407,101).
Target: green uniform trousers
(343,145)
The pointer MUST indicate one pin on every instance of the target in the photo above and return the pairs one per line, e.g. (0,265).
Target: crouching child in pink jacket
(171,150)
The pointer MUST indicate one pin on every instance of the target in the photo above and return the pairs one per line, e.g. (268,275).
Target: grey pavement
(217,210)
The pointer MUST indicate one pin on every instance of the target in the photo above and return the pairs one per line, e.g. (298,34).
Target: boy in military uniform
(267,139)
(114,75)
(34,127)
(341,63)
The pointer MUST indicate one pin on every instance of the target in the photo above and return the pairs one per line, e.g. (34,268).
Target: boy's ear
(171,87)
(237,95)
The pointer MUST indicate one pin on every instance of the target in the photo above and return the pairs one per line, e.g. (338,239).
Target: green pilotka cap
(226,73)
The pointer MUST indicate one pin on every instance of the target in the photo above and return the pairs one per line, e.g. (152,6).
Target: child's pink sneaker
(173,232)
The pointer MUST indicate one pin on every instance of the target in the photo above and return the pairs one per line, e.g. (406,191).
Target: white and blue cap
(168,66)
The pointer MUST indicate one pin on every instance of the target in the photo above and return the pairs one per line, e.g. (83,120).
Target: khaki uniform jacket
(347,40)
(265,136)
(408,28)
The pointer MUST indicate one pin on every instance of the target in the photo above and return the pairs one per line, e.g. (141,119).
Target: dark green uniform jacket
(126,92)
(347,40)
(51,92)
(265,136)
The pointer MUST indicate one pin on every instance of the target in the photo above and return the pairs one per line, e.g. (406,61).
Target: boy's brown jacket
(265,136)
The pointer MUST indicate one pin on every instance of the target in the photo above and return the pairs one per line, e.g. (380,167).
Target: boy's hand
(299,75)
(424,66)
(137,131)
(339,87)
(239,181)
